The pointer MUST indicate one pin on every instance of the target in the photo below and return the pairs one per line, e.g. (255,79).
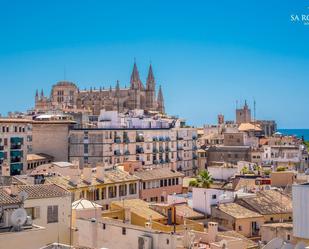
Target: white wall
(91,234)
(204,198)
(222,173)
(300,199)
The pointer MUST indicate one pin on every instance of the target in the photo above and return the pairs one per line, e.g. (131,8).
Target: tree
(281,168)
(203,180)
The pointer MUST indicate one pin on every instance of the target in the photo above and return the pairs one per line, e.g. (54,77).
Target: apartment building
(15,143)
(157,184)
(162,142)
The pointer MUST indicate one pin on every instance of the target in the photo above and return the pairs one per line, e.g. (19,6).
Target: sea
(296,132)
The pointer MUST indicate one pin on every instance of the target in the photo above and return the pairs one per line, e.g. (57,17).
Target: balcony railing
(117,140)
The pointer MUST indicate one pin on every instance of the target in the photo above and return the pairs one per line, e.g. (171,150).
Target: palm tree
(203,180)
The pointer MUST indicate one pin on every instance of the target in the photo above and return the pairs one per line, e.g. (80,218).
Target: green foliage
(281,168)
(307,144)
(203,180)
(267,172)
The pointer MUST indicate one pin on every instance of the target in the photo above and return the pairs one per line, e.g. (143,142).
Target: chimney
(75,174)
(212,231)
(87,174)
(5,169)
(100,172)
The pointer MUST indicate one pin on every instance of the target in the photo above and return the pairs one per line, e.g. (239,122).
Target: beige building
(15,143)
(233,216)
(51,137)
(101,185)
(34,160)
(168,147)
(157,184)
(48,208)
(66,95)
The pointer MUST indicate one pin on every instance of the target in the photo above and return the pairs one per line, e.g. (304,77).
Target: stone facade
(67,96)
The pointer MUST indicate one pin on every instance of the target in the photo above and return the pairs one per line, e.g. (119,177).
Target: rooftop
(40,191)
(269,202)
(153,174)
(39,156)
(140,207)
(110,176)
(7,199)
(249,127)
(237,211)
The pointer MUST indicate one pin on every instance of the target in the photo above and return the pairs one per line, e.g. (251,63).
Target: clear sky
(206,54)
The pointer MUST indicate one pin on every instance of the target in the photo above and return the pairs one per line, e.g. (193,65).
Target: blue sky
(206,54)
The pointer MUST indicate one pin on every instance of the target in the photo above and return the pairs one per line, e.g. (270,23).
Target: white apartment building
(15,143)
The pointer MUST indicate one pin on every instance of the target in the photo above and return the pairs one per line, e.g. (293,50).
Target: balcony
(167,160)
(179,158)
(127,153)
(126,140)
(179,138)
(194,137)
(179,147)
(167,139)
(17,140)
(161,149)
(15,159)
(167,149)
(117,153)
(162,161)
(155,161)
(155,139)
(15,146)
(161,139)
(1,147)
(139,150)
(16,153)
(179,168)
(117,140)
(194,156)
(1,154)
(194,147)
(155,150)
(16,168)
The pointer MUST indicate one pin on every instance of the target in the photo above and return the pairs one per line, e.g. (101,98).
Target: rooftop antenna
(254,110)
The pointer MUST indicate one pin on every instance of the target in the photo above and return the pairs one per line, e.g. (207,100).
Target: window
(103,193)
(103,226)
(214,197)
(271,218)
(288,237)
(239,228)
(167,241)
(112,191)
(165,182)
(124,231)
(123,190)
(161,183)
(177,181)
(169,182)
(132,188)
(162,198)
(52,214)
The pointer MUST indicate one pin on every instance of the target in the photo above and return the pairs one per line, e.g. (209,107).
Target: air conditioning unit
(144,242)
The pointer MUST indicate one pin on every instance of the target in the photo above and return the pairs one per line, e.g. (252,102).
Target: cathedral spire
(135,81)
(160,101)
(150,84)
(42,93)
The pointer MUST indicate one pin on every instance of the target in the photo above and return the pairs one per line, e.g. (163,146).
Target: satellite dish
(18,217)
(23,195)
